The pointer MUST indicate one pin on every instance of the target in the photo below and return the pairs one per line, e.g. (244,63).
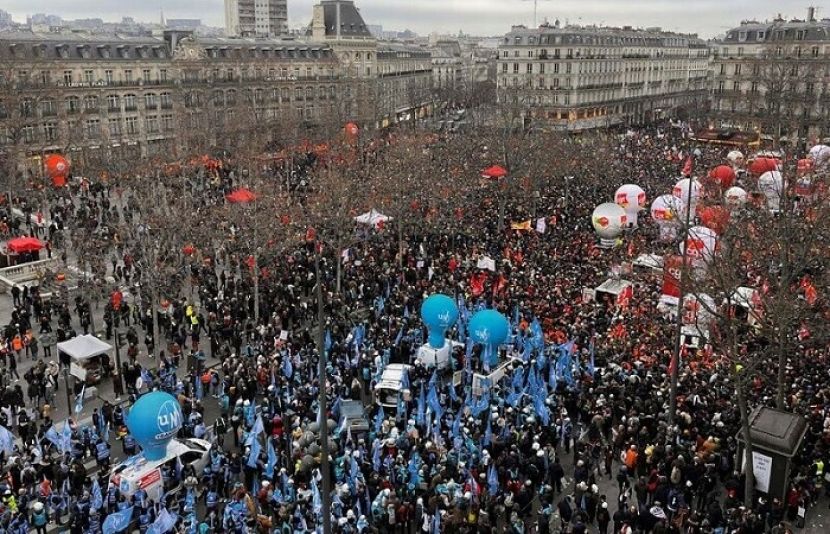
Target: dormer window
(142,52)
(84,51)
(62,50)
(124,52)
(104,51)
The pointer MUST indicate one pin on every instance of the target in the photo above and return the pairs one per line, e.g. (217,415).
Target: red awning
(21,245)
(496,171)
(241,196)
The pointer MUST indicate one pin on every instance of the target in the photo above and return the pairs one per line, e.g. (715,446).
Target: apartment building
(256,18)
(95,97)
(773,77)
(581,77)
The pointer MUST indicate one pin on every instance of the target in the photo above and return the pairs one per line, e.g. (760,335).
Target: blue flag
(488,433)
(199,388)
(118,521)
(7,439)
(163,523)
(97,500)
(419,418)
(379,417)
(254,454)
(327,342)
(66,438)
(79,400)
(493,480)
(272,460)
(287,367)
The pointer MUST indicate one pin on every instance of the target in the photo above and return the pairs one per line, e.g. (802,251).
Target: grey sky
(483,17)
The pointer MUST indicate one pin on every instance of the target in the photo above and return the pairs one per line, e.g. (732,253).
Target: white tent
(84,347)
(372,218)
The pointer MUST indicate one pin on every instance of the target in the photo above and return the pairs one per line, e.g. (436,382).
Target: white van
(137,473)
(391,384)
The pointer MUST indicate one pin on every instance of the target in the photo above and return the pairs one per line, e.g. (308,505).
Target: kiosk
(776,438)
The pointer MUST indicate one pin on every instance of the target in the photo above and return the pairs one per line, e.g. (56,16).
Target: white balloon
(666,209)
(608,220)
(735,158)
(771,184)
(820,154)
(681,190)
(632,199)
(735,196)
(702,243)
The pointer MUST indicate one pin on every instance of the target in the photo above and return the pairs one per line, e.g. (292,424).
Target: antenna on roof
(535,9)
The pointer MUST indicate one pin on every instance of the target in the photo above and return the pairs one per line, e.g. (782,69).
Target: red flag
(673,364)
(688,167)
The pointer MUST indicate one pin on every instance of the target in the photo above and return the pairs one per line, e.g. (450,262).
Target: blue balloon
(439,313)
(153,421)
(490,328)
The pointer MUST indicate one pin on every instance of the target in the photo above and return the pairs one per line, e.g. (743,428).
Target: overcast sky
(483,17)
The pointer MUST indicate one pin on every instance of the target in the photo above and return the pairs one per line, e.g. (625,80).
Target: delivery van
(138,473)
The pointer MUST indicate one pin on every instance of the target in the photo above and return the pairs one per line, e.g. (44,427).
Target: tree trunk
(749,484)
(781,378)
(325,494)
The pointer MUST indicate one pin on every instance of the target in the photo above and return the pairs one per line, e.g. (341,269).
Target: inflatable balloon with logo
(608,220)
(632,199)
(489,328)
(439,313)
(153,421)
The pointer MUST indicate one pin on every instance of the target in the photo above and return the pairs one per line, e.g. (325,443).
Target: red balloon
(724,175)
(804,166)
(56,166)
(714,217)
(759,166)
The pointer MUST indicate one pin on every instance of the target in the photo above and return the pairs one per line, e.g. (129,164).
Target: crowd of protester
(582,447)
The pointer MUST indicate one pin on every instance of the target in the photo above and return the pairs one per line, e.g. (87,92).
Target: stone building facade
(575,77)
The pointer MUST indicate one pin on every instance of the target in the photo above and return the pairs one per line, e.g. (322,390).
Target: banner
(671,277)
(485,262)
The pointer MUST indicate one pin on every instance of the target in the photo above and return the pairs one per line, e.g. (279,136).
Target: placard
(78,371)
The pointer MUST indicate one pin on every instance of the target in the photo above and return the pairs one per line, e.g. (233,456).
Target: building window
(152,124)
(50,131)
(73,104)
(163,75)
(218,99)
(92,128)
(167,123)
(47,108)
(130,103)
(145,75)
(150,101)
(91,103)
(128,76)
(530,67)
(67,77)
(89,77)
(132,125)
(166,101)
(113,103)
(504,67)
(115,127)
(737,69)
(28,134)
(108,77)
